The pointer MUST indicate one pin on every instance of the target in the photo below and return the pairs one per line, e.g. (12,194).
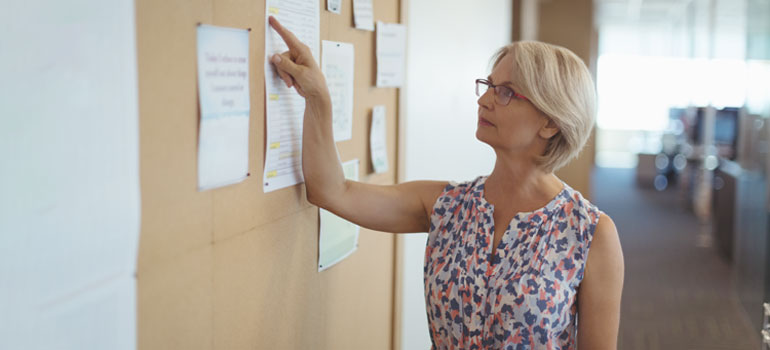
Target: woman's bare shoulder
(606,252)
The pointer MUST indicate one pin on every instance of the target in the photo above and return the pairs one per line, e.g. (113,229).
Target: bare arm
(398,208)
(600,291)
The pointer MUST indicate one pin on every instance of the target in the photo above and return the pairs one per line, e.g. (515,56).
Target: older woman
(507,264)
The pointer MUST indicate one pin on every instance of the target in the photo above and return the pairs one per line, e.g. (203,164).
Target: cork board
(233,267)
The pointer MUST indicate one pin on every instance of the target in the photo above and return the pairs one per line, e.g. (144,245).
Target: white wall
(69,177)
(450,44)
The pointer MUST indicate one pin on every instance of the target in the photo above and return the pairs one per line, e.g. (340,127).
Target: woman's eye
(504,91)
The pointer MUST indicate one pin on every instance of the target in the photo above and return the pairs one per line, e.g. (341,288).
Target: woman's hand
(297,67)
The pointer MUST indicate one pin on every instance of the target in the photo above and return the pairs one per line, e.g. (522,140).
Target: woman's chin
(480,134)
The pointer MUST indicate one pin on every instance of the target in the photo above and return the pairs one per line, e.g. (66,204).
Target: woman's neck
(521,180)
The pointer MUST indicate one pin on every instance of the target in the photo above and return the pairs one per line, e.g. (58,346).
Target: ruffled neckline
(553,203)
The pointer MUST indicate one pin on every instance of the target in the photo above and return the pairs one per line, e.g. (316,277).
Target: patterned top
(526,297)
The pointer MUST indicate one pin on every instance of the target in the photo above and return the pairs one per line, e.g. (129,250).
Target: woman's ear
(548,130)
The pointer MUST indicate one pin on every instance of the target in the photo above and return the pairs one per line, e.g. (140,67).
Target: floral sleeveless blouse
(524,297)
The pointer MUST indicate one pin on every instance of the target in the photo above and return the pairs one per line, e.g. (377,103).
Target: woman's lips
(485,122)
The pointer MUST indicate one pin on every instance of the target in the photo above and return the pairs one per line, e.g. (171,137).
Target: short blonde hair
(559,84)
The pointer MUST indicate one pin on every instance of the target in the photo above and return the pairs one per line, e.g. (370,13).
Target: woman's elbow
(314,197)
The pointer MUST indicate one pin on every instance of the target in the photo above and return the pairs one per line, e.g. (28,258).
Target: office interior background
(679,158)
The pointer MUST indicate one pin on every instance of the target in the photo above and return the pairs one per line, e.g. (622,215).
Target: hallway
(676,296)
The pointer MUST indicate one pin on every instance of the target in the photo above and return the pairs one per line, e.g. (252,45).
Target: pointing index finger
(291,41)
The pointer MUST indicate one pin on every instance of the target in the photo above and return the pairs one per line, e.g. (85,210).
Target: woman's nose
(486,99)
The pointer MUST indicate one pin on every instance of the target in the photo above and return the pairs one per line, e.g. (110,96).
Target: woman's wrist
(319,105)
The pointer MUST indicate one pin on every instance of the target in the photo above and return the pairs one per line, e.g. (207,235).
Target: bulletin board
(234,267)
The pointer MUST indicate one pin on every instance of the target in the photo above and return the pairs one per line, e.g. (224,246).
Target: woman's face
(517,128)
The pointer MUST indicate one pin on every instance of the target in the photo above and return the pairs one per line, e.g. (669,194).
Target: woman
(507,263)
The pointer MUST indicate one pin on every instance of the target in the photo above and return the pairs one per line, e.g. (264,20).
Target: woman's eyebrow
(510,84)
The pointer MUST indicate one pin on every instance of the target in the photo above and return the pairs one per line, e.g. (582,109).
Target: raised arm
(397,208)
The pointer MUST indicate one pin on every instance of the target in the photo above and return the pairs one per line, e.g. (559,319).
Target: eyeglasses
(503,94)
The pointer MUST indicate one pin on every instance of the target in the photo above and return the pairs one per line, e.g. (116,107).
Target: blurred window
(636,94)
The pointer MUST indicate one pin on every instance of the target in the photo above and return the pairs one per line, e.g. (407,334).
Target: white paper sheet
(391,50)
(377,140)
(223,92)
(69,175)
(338,238)
(363,14)
(334,6)
(337,60)
(284,107)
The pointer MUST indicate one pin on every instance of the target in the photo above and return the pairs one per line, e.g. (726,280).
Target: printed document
(337,62)
(377,140)
(223,93)
(284,107)
(338,237)
(363,14)
(391,49)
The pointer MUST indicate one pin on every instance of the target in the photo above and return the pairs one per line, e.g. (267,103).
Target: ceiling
(641,11)
(726,13)
(696,28)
